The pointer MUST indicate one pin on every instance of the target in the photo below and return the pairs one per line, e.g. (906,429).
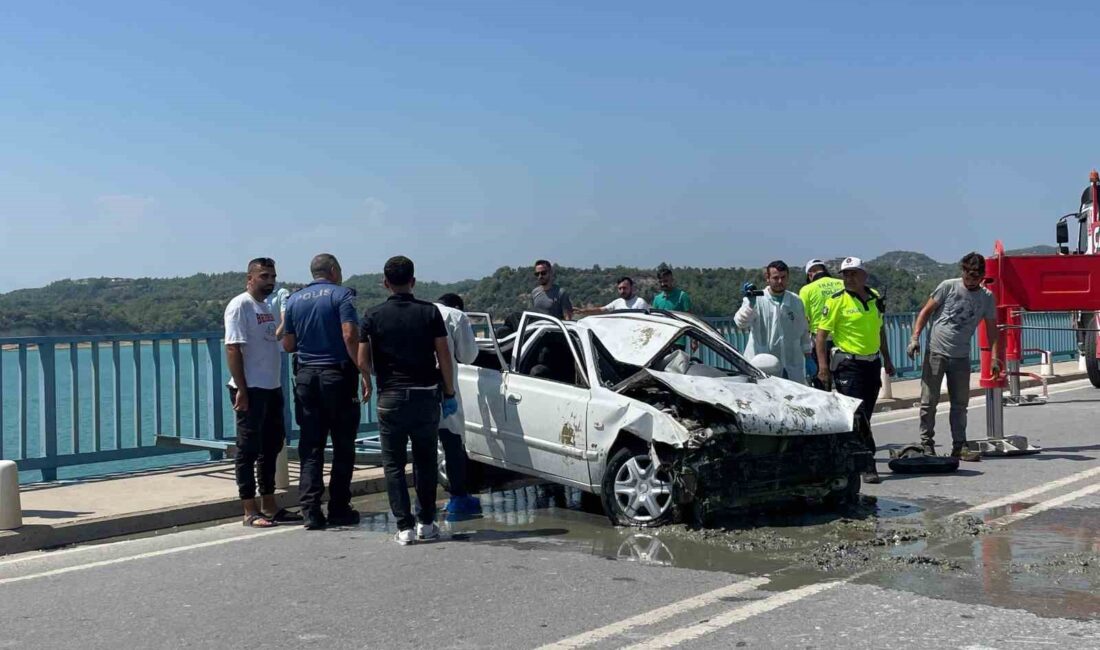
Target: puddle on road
(913,545)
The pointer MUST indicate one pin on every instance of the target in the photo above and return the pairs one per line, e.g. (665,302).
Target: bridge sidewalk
(69,513)
(60,514)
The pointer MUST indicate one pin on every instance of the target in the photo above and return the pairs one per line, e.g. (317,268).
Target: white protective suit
(777,328)
(463,347)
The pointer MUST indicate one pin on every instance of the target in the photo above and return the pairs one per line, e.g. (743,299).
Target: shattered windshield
(704,357)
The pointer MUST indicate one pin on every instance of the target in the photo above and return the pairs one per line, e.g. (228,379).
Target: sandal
(254,521)
(284,516)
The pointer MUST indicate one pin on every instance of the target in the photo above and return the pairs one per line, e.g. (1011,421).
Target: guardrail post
(47,404)
(11,514)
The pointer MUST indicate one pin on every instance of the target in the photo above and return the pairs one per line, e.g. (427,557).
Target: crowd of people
(405,352)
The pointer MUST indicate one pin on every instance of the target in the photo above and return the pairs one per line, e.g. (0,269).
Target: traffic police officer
(322,327)
(854,319)
(819,287)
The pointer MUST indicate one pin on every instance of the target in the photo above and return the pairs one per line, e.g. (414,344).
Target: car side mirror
(768,364)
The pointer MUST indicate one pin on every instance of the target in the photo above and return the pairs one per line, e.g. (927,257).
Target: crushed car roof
(634,338)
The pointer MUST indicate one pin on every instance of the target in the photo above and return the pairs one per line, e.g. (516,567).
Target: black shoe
(871,477)
(342,517)
(315,520)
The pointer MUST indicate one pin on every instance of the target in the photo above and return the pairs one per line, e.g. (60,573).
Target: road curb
(41,537)
(885,406)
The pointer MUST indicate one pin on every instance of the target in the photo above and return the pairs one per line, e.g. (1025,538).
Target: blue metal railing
(899,329)
(68,401)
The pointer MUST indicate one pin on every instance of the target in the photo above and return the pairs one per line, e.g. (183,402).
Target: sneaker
(464,505)
(427,531)
(314,520)
(871,477)
(965,453)
(348,517)
(405,537)
(929,448)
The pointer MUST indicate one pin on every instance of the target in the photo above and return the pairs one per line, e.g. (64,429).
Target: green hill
(196,303)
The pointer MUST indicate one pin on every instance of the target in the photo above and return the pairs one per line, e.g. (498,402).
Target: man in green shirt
(670,298)
(854,318)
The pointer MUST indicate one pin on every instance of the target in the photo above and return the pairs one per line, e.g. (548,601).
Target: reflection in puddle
(913,546)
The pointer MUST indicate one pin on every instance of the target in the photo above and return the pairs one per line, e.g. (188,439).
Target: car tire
(1092,364)
(635,493)
(846,496)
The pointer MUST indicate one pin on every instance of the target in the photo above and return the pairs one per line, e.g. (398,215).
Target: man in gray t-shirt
(954,309)
(548,298)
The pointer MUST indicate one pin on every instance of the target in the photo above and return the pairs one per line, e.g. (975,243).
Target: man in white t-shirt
(255,389)
(627,299)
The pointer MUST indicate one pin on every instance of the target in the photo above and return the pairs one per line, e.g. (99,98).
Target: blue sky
(148,139)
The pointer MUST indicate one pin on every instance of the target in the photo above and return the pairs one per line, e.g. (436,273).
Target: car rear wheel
(636,491)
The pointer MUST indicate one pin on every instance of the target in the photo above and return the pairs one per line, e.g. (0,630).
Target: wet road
(1003,554)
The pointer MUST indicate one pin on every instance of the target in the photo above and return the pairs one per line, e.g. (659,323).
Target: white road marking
(51,555)
(1027,494)
(656,615)
(142,556)
(1045,505)
(736,615)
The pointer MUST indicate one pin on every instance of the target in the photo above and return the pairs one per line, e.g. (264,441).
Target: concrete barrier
(282,471)
(11,513)
(887,390)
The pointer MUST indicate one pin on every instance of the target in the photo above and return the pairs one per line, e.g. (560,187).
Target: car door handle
(514,398)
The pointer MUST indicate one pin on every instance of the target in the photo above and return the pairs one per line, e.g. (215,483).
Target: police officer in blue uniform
(322,327)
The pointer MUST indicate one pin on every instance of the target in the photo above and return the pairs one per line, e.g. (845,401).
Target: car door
(481,390)
(546,412)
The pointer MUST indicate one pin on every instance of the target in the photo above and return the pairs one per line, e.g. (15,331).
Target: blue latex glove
(746,291)
(450,406)
(811,367)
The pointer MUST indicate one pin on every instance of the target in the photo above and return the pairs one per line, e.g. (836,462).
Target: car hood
(769,406)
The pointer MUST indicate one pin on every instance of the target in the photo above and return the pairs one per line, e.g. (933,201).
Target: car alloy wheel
(641,490)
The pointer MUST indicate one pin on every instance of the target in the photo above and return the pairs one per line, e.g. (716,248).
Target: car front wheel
(636,491)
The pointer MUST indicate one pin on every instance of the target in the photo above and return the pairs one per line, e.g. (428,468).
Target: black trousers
(406,416)
(326,405)
(455,453)
(862,380)
(260,437)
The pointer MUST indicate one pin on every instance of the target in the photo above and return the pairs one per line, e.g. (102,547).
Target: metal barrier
(899,329)
(68,401)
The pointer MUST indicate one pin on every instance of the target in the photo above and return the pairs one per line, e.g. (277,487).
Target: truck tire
(637,493)
(1092,364)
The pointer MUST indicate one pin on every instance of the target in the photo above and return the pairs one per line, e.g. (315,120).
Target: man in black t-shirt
(403,342)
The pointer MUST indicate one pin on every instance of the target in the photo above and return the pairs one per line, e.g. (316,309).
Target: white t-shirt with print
(251,324)
(637,302)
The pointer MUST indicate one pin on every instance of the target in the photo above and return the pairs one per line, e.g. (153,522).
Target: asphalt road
(537,569)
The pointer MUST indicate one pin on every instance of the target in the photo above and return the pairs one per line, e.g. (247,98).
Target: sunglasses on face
(539,274)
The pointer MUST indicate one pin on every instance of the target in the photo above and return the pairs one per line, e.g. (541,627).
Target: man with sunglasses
(955,308)
(548,298)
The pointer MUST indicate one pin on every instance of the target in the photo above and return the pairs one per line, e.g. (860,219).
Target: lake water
(115,428)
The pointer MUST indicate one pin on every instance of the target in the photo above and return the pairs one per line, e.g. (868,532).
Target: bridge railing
(899,329)
(96,404)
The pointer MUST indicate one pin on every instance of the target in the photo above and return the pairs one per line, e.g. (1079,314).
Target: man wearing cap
(818,288)
(853,317)
(776,323)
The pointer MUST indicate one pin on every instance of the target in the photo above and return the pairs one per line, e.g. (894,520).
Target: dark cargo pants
(261,433)
(326,405)
(862,380)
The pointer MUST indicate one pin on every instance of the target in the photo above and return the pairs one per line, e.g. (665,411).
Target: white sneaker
(405,537)
(427,531)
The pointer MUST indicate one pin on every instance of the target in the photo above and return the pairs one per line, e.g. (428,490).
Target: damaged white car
(657,414)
